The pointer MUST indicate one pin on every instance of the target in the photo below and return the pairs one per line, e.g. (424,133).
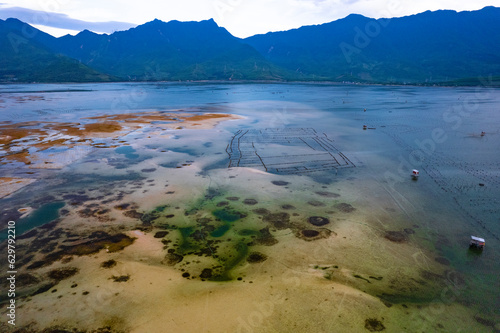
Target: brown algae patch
(250,202)
(121,278)
(108,263)
(14,132)
(345,207)
(62,273)
(256,257)
(10,185)
(16,138)
(280,220)
(374,325)
(279,183)
(90,245)
(396,236)
(168,119)
(316,203)
(327,194)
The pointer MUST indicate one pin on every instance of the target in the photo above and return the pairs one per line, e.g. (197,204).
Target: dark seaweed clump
(327,194)
(206,273)
(318,220)
(374,325)
(133,214)
(172,258)
(121,278)
(310,233)
(44,288)
(250,202)
(261,211)
(160,234)
(112,243)
(264,237)
(345,207)
(256,257)
(280,220)
(62,273)
(26,279)
(316,203)
(396,236)
(109,263)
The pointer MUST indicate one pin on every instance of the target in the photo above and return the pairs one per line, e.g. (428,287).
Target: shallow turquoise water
(43,215)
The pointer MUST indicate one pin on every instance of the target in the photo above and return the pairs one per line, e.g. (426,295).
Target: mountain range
(441,47)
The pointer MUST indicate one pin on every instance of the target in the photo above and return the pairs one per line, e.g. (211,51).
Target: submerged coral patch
(318,221)
(312,234)
(396,236)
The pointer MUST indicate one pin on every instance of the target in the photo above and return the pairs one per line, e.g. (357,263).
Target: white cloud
(60,21)
(240,17)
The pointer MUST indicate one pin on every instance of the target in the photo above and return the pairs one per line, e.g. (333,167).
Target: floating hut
(476,242)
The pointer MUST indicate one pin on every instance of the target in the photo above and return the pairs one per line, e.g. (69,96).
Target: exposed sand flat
(32,143)
(11,185)
(58,160)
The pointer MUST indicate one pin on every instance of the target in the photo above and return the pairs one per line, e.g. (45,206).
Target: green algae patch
(186,244)
(212,239)
(228,215)
(239,254)
(220,231)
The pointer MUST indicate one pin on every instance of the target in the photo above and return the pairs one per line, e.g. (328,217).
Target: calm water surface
(435,130)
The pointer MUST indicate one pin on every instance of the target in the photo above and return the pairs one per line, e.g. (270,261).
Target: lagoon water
(243,249)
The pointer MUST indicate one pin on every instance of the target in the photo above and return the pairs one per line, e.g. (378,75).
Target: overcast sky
(242,18)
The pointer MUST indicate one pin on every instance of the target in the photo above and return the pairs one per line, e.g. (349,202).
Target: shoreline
(304,82)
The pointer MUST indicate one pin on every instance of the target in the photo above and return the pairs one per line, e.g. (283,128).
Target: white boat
(477,242)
